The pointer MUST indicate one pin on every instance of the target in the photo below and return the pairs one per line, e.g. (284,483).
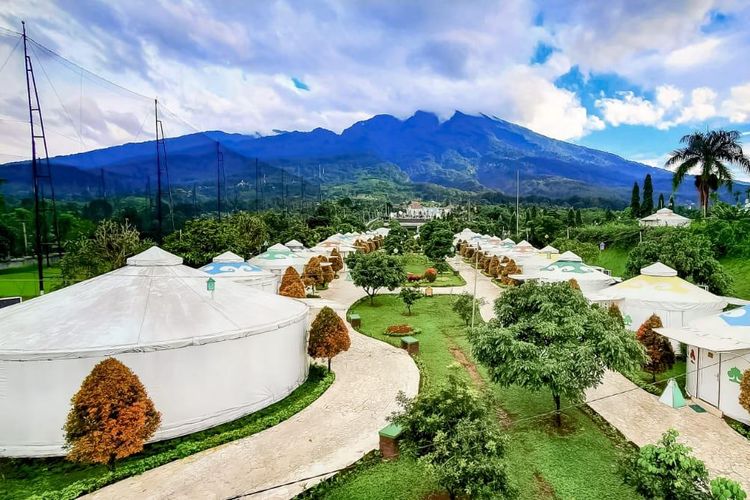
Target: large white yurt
(718,353)
(665,217)
(570,266)
(205,357)
(658,290)
(230,266)
(277,258)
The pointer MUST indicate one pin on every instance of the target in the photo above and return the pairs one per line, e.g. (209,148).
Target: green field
(580,462)
(60,479)
(23,281)
(614,259)
(738,269)
(415,263)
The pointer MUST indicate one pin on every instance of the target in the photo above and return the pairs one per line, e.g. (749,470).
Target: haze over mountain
(470,153)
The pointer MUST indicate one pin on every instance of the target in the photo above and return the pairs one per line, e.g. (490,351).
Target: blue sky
(627,76)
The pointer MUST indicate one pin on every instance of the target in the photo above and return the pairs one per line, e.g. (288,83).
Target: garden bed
(401,330)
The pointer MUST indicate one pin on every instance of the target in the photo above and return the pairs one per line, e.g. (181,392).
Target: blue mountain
(467,152)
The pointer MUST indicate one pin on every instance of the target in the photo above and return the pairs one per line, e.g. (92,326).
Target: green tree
(398,239)
(647,203)
(436,239)
(109,247)
(690,254)
(247,233)
(711,153)
(450,429)
(409,295)
(668,471)
(548,336)
(571,217)
(579,219)
(199,241)
(464,305)
(661,201)
(589,252)
(375,270)
(635,201)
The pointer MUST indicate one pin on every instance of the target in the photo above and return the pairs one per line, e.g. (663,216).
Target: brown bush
(574,284)
(658,348)
(745,390)
(111,416)
(494,268)
(295,290)
(337,263)
(328,335)
(313,274)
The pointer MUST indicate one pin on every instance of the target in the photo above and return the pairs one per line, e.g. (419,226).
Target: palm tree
(711,153)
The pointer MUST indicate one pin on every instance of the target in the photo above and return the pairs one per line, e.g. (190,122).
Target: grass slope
(579,462)
(60,479)
(738,269)
(614,259)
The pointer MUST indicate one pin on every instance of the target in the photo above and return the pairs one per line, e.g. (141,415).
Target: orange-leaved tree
(313,273)
(111,416)
(745,390)
(658,348)
(326,269)
(328,336)
(291,284)
(337,263)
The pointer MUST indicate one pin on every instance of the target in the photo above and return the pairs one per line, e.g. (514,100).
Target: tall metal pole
(518,192)
(158,175)
(257,185)
(474,297)
(34,172)
(218,180)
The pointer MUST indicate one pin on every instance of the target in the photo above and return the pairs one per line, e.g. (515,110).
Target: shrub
(745,390)
(430,275)
(291,284)
(658,348)
(411,277)
(463,304)
(409,296)
(111,416)
(614,311)
(401,330)
(328,336)
(313,273)
(494,268)
(337,263)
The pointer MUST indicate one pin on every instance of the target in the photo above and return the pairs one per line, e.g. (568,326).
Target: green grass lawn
(739,270)
(417,264)
(580,462)
(23,281)
(645,379)
(614,259)
(60,479)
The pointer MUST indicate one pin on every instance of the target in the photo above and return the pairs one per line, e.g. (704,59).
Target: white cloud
(737,106)
(695,54)
(629,109)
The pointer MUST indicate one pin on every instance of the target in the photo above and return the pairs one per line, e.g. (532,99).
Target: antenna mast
(158,175)
(40,167)
(219,172)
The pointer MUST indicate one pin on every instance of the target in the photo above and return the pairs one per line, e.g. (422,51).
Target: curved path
(333,432)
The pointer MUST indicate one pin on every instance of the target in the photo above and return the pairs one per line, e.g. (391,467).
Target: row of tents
(717,341)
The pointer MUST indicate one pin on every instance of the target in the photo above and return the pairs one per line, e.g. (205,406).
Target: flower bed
(401,330)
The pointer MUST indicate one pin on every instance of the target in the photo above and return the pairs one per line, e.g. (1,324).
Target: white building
(230,266)
(665,217)
(205,357)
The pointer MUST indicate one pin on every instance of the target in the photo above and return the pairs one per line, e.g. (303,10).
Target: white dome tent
(295,246)
(718,353)
(665,217)
(205,357)
(570,266)
(277,258)
(230,266)
(658,290)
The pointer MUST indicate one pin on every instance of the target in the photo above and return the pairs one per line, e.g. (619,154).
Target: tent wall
(194,387)
(670,318)
(710,378)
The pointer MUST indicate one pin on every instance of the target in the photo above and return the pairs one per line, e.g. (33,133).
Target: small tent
(672,395)
(664,217)
(230,266)
(295,246)
(277,258)
(718,354)
(658,290)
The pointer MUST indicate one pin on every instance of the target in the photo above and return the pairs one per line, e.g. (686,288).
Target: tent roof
(569,257)
(236,270)
(139,307)
(658,269)
(664,291)
(664,214)
(278,247)
(549,249)
(563,270)
(228,257)
(294,243)
(728,331)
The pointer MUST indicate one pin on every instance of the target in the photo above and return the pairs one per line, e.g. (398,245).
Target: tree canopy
(375,270)
(548,336)
(688,253)
(328,335)
(111,415)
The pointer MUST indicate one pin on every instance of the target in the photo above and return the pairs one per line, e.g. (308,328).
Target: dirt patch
(470,367)
(543,488)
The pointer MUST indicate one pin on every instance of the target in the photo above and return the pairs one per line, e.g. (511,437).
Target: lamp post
(474,297)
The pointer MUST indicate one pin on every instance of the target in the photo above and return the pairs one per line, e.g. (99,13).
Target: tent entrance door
(708,377)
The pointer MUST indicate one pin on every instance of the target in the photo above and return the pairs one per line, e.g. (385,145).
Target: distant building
(415,210)
(665,217)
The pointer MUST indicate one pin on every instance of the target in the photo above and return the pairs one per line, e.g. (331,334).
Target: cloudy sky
(627,76)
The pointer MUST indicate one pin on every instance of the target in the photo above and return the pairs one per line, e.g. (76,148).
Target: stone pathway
(333,432)
(641,418)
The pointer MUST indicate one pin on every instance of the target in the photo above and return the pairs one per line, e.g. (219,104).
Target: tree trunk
(558,417)
(111,462)
(653,376)
(329,365)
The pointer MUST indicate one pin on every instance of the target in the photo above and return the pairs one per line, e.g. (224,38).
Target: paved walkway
(642,419)
(335,431)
